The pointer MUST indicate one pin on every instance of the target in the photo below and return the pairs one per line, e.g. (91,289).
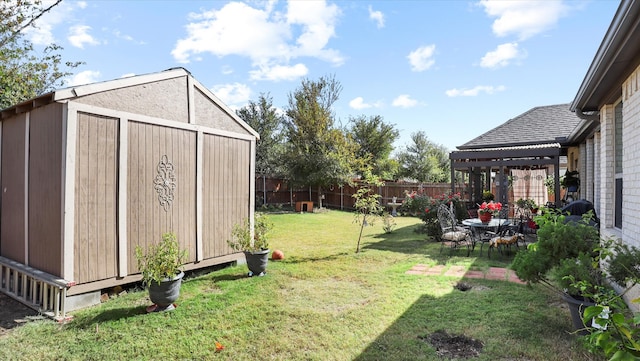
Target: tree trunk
(364,223)
(320,197)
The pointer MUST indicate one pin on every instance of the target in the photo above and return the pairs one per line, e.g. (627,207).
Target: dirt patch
(453,346)
(13,314)
(464,287)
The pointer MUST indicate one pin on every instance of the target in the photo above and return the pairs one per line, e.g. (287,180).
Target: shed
(90,172)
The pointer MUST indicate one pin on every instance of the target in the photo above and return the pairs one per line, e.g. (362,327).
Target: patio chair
(453,235)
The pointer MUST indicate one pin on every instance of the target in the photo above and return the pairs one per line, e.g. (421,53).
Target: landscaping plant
(367,202)
(426,208)
(613,328)
(242,239)
(160,261)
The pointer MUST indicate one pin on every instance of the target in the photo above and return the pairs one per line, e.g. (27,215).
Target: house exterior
(608,101)
(91,172)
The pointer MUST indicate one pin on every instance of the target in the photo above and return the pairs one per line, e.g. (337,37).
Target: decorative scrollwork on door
(165,182)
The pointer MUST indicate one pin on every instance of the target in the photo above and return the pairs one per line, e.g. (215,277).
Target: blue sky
(454,69)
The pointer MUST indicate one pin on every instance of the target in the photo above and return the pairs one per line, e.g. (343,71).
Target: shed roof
(539,125)
(62,95)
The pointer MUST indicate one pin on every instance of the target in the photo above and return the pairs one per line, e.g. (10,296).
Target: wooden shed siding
(166,99)
(147,219)
(226,195)
(12,220)
(211,115)
(45,185)
(95,245)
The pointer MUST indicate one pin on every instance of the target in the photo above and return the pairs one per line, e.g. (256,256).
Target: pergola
(481,163)
(535,139)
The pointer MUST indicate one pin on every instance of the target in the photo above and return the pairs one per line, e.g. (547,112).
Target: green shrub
(162,260)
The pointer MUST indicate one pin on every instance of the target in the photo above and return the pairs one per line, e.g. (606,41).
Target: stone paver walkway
(493,273)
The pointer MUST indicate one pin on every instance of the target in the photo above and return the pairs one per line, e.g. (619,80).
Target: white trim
(199,189)
(191,102)
(123,160)
(158,121)
(27,125)
(252,183)
(224,107)
(88,89)
(69,135)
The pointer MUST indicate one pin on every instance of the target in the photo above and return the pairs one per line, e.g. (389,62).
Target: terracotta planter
(484,217)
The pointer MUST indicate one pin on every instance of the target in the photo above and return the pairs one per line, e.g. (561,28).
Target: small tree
(367,202)
(424,160)
(26,72)
(318,153)
(264,119)
(374,139)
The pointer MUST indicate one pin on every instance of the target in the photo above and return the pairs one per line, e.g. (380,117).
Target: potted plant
(487,196)
(253,242)
(562,255)
(488,210)
(528,204)
(612,328)
(160,268)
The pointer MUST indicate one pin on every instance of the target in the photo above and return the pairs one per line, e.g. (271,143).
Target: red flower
(491,207)
(426,210)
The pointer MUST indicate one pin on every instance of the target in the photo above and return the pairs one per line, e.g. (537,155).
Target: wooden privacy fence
(277,191)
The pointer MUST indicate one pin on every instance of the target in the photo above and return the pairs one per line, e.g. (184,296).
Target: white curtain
(529,184)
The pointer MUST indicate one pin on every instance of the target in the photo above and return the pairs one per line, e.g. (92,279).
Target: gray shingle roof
(539,125)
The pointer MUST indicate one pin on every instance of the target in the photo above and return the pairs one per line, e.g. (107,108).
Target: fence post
(264,189)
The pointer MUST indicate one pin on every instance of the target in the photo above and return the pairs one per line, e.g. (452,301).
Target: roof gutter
(588,120)
(604,59)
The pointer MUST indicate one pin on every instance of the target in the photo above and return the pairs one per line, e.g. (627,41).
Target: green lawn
(323,302)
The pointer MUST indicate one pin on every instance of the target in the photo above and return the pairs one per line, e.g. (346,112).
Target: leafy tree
(424,160)
(23,73)
(263,118)
(318,153)
(374,139)
(367,202)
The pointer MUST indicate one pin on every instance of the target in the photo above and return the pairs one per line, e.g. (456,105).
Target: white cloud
(474,91)
(84,77)
(79,36)
(264,35)
(279,72)
(42,32)
(502,56)
(422,58)
(404,101)
(524,18)
(358,103)
(376,16)
(235,93)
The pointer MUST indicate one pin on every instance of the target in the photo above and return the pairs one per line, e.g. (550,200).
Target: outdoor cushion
(454,236)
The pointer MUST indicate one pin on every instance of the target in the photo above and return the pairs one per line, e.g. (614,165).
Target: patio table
(479,229)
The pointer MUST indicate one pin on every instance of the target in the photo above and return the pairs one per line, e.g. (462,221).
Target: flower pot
(257,262)
(485,217)
(165,293)
(576,308)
